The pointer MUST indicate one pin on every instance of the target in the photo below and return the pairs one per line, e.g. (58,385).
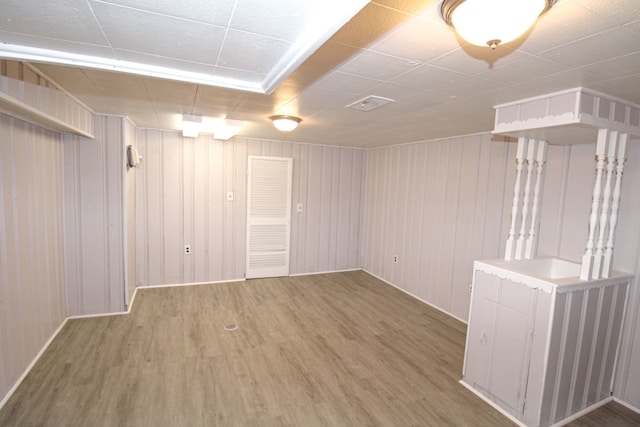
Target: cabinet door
(499,341)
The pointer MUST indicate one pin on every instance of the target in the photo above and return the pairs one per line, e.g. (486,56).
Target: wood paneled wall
(130,214)
(627,258)
(95,218)
(182,185)
(32,280)
(438,206)
(22,84)
(564,230)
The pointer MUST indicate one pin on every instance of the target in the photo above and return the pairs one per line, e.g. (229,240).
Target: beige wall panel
(94,219)
(32,282)
(130,212)
(426,202)
(182,199)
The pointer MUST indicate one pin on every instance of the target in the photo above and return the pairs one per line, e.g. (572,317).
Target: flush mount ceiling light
(191,125)
(285,123)
(492,22)
(227,128)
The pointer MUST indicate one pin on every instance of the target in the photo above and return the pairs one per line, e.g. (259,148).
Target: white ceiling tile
(245,51)
(161,90)
(565,22)
(621,66)
(74,47)
(256,16)
(624,88)
(610,44)
(162,61)
(525,69)
(471,86)
(239,75)
(396,91)
(377,66)
(633,26)
(314,100)
(450,91)
(70,77)
(381,117)
(347,83)
(195,10)
(217,99)
(472,59)
(419,40)
(618,12)
(428,77)
(428,98)
(128,29)
(70,20)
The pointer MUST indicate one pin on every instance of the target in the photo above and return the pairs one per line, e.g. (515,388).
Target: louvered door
(268,216)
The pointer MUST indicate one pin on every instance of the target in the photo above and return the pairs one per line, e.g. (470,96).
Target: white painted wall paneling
(181,199)
(32,279)
(94,218)
(627,258)
(437,205)
(130,214)
(29,94)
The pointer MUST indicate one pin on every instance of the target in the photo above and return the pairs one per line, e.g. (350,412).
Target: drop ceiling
(244,60)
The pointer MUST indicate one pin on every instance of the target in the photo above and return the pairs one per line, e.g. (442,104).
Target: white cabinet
(542,349)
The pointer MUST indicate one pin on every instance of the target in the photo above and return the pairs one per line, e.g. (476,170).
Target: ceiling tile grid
(398,49)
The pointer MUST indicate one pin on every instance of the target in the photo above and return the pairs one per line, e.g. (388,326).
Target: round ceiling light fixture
(492,22)
(285,123)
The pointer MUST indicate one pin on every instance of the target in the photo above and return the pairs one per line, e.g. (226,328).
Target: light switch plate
(229,196)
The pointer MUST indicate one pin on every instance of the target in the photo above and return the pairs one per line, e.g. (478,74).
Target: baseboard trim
(627,405)
(583,412)
(171,285)
(15,386)
(416,297)
(492,404)
(326,272)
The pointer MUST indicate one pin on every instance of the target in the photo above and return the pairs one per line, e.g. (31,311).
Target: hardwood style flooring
(341,349)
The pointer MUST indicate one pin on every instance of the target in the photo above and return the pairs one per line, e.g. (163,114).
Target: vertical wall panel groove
(325,236)
(431,208)
(94,234)
(32,280)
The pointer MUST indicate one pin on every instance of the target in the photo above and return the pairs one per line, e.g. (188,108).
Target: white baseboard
(325,272)
(15,386)
(627,405)
(189,284)
(585,411)
(416,297)
(493,404)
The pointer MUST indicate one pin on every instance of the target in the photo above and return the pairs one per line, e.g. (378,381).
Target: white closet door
(268,216)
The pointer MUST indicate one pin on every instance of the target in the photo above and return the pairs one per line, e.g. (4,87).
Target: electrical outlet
(470,289)
(395,258)
(187,249)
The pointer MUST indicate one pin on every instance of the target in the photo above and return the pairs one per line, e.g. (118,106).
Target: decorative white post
(522,145)
(587,259)
(541,159)
(606,201)
(531,153)
(615,205)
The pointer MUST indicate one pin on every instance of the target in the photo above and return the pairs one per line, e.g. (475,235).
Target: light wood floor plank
(341,349)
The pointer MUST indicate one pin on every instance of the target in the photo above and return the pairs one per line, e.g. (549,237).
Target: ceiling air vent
(369,103)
